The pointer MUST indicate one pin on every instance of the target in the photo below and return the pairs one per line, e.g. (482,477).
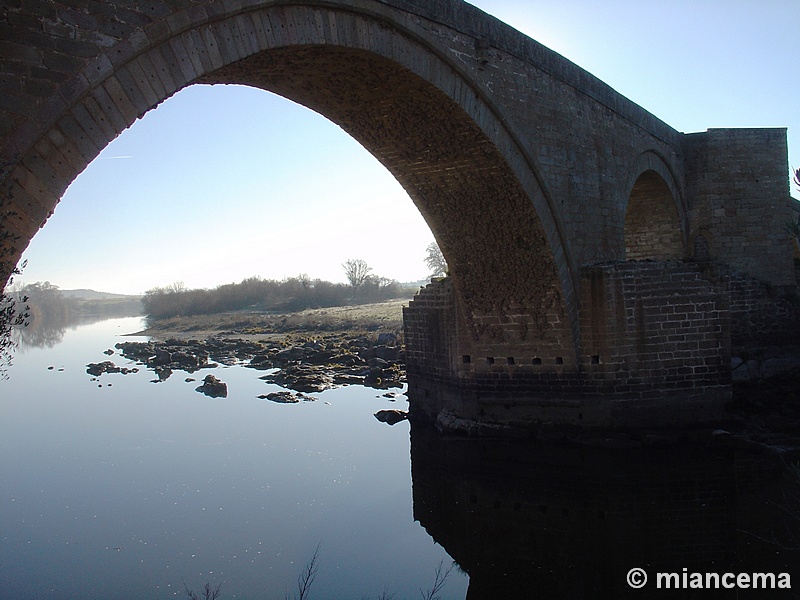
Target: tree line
(290,294)
(42,302)
(40,315)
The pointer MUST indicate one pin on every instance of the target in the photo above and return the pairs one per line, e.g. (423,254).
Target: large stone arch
(655,222)
(367,68)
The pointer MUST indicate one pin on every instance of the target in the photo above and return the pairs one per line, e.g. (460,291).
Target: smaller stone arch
(655,221)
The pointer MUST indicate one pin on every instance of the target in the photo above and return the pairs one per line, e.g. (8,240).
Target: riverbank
(304,352)
(380,317)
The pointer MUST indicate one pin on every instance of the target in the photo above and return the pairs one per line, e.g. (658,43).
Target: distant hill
(93,295)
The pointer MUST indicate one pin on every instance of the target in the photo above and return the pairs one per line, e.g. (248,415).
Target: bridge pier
(655,351)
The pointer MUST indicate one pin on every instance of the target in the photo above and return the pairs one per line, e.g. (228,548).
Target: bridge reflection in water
(570,518)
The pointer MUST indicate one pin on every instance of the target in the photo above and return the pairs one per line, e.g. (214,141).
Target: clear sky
(226,182)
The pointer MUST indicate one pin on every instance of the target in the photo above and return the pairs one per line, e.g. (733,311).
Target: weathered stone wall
(762,314)
(656,342)
(430,334)
(657,328)
(453,368)
(738,190)
(526,167)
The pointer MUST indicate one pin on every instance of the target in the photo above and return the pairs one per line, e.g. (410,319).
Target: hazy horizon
(72,291)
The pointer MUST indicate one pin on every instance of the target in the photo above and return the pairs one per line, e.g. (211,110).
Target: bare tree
(435,261)
(176,287)
(209,593)
(438,583)
(305,280)
(306,578)
(356,271)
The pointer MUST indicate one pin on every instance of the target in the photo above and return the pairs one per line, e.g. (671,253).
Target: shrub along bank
(255,293)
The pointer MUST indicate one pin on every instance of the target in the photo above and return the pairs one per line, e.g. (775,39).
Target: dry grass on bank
(378,317)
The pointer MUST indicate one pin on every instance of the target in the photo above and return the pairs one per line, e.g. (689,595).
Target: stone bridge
(591,247)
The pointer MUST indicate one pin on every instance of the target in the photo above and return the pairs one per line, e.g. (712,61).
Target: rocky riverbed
(300,365)
(308,352)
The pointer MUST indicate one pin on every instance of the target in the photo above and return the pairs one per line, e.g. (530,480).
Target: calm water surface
(123,488)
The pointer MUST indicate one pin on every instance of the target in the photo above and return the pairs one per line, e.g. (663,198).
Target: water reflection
(238,491)
(569,520)
(46,329)
(135,466)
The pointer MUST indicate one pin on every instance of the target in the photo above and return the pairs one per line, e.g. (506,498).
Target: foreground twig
(209,593)
(306,578)
(438,582)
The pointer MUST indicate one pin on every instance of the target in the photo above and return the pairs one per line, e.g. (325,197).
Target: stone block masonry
(535,177)
(657,344)
(656,349)
(430,333)
(738,190)
(656,329)
(762,314)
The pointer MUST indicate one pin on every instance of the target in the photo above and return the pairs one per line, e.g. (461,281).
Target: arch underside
(502,262)
(481,217)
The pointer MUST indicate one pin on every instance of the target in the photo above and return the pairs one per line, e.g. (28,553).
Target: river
(118,487)
(124,488)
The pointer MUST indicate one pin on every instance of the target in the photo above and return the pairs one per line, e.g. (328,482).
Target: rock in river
(213,387)
(302,378)
(107,366)
(391,417)
(287,397)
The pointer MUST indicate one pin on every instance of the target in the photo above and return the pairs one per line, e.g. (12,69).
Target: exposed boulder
(281,397)
(213,387)
(383,377)
(757,364)
(163,373)
(286,397)
(161,358)
(392,416)
(301,378)
(261,362)
(107,366)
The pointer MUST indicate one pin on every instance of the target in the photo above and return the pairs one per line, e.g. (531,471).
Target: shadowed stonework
(537,180)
